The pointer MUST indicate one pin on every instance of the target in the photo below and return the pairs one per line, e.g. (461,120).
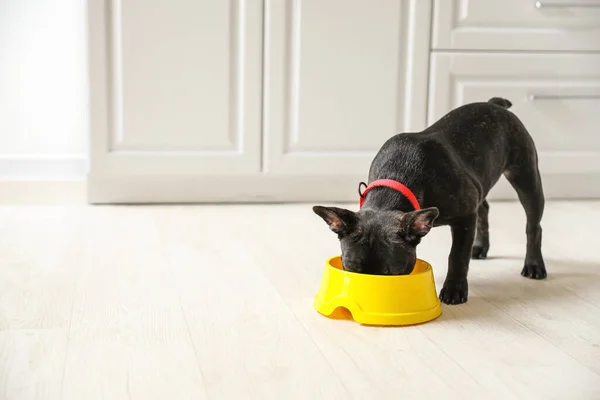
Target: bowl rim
(427,270)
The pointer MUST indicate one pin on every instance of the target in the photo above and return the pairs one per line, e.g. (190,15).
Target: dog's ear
(340,220)
(417,224)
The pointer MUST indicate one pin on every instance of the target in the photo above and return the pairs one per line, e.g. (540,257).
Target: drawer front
(516,25)
(556,96)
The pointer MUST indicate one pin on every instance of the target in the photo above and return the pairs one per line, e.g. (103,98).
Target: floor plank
(128,336)
(564,308)
(32,363)
(248,343)
(39,261)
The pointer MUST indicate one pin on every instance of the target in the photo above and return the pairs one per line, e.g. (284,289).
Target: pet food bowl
(377,299)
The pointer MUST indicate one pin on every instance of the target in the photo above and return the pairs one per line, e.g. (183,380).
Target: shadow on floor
(570,283)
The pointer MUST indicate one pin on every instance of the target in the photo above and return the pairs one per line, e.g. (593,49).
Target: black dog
(450,167)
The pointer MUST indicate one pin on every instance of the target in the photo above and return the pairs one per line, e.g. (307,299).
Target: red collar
(391,184)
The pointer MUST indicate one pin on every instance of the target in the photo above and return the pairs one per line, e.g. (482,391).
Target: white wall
(43,89)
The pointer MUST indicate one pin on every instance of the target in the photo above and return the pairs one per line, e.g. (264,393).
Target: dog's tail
(499,101)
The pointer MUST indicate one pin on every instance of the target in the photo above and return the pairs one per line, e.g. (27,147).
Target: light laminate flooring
(215,302)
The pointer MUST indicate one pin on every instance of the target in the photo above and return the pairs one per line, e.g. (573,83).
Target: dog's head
(378,242)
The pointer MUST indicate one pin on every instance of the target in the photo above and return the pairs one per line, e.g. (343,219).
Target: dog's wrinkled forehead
(380,222)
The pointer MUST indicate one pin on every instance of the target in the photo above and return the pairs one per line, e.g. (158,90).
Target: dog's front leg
(456,288)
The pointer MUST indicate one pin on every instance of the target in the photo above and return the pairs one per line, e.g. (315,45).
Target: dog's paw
(479,252)
(454,292)
(534,270)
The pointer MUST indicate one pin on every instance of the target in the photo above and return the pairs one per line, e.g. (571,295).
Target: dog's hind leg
(482,239)
(524,176)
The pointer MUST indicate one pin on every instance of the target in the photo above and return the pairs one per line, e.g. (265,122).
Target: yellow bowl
(377,299)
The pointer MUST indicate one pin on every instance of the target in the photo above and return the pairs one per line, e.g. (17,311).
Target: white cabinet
(175,94)
(341,77)
(289,100)
(571,25)
(249,100)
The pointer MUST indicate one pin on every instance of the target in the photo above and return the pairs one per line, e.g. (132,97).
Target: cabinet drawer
(516,24)
(556,96)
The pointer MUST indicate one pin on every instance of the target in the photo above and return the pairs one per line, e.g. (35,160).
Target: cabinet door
(556,96)
(341,77)
(175,90)
(516,25)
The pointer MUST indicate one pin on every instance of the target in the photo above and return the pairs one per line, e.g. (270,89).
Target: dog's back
(478,140)
(480,134)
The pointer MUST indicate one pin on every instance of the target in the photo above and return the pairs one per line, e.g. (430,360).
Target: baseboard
(25,167)
(258,189)
(293,189)
(262,190)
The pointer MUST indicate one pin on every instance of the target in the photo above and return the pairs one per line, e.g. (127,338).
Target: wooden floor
(215,302)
